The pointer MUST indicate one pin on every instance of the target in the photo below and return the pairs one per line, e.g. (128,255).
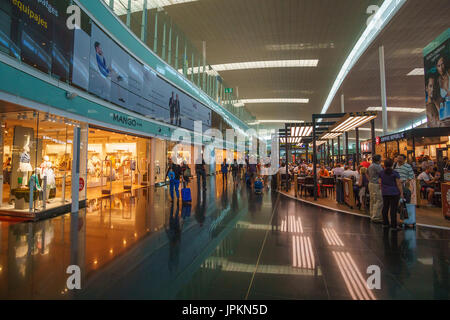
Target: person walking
(225,173)
(234,171)
(376,200)
(392,191)
(200,169)
(174,174)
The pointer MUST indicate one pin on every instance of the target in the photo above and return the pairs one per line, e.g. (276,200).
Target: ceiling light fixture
(138,5)
(311,63)
(276,100)
(395,109)
(386,12)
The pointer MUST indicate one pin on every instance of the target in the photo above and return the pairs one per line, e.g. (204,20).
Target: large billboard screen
(437,81)
(115,76)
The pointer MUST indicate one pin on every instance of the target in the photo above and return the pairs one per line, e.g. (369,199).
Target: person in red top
(366,163)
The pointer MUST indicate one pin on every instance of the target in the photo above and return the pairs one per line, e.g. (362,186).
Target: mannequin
(25,162)
(47,171)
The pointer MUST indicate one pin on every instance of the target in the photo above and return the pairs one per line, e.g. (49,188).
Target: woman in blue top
(392,190)
(225,173)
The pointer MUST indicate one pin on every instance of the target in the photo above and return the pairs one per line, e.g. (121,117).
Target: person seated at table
(323,172)
(338,170)
(428,182)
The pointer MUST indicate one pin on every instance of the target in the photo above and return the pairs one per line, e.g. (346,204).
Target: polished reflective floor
(229,244)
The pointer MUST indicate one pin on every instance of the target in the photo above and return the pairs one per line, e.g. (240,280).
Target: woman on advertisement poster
(433,102)
(442,67)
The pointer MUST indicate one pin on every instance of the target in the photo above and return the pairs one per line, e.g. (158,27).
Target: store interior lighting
(304,131)
(395,109)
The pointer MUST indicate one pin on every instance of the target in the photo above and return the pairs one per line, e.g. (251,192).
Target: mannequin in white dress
(25,162)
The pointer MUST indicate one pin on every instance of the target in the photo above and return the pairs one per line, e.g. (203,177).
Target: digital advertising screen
(437,81)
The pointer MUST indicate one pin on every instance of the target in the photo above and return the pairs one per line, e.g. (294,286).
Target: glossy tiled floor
(230,244)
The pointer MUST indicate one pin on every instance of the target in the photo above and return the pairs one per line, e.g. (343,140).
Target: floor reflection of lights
(354,281)
(302,253)
(292,224)
(332,237)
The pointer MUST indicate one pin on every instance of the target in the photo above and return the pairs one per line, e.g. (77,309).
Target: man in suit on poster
(177,112)
(172,109)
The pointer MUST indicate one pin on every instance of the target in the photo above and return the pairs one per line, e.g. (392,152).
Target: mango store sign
(125,120)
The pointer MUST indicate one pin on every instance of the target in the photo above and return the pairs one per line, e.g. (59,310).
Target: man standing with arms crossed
(376,199)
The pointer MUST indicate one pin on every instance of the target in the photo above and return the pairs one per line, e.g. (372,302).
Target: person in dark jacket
(200,169)
(392,190)
(174,173)
(225,173)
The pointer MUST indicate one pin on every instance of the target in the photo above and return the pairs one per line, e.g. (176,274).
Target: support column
(76,169)
(373,137)
(176,53)
(383,90)
(144,22)
(356,162)
(342,103)
(163,53)
(346,148)
(155,40)
(328,152)
(204,66)
(339,149)
(314,158)
(192,68)
(198,72)
(129,14)
(169,52)
(332,152)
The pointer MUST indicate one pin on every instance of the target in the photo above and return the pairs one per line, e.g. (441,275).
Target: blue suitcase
(411,221)
(186,195)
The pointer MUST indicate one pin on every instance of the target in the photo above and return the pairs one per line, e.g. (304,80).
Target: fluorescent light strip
(417,72)
(267,64)
(395,109)
(310,63)
(301,131)
(352,123)
(138,5)
(280,121)
(386,12)
(276,100)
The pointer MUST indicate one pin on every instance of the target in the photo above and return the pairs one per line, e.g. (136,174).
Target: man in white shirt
(428,182)
(349,173)
(338,170)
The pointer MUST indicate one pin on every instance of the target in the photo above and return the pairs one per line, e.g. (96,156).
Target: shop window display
(37,159)
(116,162)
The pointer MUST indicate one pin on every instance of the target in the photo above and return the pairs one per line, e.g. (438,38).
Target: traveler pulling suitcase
(186,195)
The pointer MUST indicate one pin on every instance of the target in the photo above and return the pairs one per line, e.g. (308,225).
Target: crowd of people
(380,186)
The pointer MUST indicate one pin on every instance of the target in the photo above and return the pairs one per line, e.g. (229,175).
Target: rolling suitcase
(410,222)
(186,195)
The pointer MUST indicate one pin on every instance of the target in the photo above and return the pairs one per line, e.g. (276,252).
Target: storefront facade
(415,144)
(63,110)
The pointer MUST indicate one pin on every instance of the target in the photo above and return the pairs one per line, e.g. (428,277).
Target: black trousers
(201,174)
(390,204)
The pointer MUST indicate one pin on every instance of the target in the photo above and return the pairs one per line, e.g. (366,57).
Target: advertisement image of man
(172,108)
(101,61)
(177,112)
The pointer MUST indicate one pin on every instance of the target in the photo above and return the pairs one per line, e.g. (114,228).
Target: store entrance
(117,163)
